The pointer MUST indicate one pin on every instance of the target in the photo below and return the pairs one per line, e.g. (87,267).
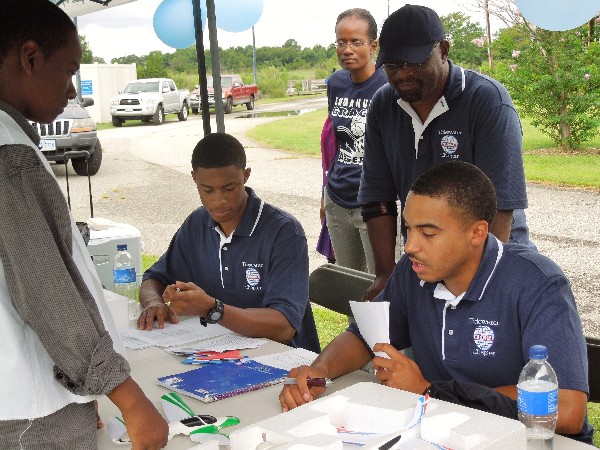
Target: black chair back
(333,286)
(593,353)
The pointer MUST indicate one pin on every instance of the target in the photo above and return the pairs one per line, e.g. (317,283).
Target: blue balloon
(558,15)
(174,22)
(238,15)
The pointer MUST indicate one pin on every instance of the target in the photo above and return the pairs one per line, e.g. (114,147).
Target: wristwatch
(215,314)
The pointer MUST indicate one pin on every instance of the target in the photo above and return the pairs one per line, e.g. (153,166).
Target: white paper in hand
(373,320)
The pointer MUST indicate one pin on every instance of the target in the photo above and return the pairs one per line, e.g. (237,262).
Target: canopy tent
(75,8)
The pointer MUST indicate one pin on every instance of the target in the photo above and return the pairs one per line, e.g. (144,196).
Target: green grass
(594,418)
(147,261)
(564,170)
(329,324)
(298,134)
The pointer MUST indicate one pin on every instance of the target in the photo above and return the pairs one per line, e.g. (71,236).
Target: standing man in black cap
(433,111)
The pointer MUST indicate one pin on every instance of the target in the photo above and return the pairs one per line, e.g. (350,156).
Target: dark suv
(72,136)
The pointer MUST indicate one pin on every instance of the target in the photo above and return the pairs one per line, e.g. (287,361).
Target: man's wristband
(372,210)
(427,391)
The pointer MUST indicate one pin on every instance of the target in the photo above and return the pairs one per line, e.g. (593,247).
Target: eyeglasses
(395,67)
(356,43)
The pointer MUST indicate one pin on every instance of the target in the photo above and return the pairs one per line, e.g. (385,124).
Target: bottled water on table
(124,278)
(537,399)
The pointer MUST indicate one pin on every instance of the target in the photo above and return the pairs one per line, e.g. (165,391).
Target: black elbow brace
(377,209)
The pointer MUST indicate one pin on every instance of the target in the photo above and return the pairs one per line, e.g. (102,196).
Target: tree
(87,54)
(154,66)
(553,77)
(129,59)
(461,32)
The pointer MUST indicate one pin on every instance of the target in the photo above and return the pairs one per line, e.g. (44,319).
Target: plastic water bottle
(124,278)
(537,399)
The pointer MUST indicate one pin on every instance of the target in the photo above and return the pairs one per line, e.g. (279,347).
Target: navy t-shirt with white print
(348,104)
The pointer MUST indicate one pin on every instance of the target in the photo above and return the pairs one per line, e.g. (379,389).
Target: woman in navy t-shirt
(349,93)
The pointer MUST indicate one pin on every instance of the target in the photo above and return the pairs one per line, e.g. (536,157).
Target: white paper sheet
(230,341)
(184,332)
(373,320)
(288,360)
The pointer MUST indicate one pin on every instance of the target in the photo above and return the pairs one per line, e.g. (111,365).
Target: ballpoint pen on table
(311,382)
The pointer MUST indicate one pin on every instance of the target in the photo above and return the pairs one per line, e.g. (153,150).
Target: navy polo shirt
(474,121)
(517,298)
(262,264)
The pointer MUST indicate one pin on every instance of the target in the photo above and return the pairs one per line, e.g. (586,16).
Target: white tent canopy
(75,8)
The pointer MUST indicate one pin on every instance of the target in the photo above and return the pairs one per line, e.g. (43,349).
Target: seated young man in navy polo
(236,260)
(469,306)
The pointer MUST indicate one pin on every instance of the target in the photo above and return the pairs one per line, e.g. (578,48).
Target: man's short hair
(36,20)
(218,150)
(465,187)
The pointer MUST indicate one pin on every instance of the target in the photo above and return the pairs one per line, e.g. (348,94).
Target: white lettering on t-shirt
(352,152)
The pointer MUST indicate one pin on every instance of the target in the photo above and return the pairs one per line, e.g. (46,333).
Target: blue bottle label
(537,403)
(124,275)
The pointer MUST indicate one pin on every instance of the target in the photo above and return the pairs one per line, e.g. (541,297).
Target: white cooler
(103,248)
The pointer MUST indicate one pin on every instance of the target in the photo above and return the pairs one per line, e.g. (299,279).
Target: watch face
(215,315)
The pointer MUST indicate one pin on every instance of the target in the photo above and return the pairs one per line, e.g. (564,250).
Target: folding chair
(593,353)
(333,286)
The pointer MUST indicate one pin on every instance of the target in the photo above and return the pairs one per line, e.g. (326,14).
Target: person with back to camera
(349,93)
(60,349)
(470,307)
(433,111)
(236,260)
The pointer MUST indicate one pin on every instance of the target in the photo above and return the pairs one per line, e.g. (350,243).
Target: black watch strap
(215,314)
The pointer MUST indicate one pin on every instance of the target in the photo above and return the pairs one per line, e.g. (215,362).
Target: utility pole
(254,56)
(489,34)
(78,74)
(201,67)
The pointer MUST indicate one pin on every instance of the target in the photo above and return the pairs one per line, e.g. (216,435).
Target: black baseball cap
(409,35)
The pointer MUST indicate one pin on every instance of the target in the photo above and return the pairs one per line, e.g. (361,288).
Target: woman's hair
(361,14)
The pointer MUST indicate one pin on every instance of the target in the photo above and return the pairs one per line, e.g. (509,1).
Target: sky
(127,29)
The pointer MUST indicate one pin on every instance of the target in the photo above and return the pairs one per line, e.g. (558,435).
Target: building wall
(102,82)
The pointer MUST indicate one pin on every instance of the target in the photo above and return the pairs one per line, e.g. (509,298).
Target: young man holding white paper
(469,306)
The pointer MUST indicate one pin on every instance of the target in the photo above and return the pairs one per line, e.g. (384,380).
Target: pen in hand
(311,382)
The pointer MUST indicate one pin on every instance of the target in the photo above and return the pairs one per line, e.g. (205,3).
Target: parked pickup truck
(149,99)
(234,91)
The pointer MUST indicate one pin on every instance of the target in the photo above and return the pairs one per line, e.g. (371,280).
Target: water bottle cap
(538,352)
(121,247)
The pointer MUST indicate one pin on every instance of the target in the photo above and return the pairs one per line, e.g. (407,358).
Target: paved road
(145,181)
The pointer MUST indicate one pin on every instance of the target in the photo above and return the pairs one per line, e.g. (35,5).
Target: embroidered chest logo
(252,277)
(449,144)
(483,337)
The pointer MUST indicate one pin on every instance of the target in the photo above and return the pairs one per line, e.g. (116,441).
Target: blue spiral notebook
(213,382)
